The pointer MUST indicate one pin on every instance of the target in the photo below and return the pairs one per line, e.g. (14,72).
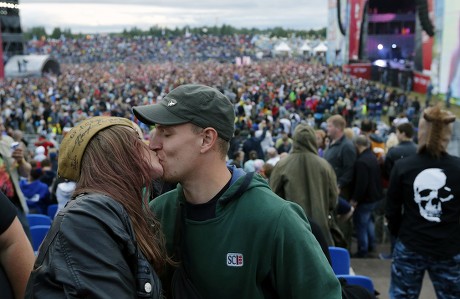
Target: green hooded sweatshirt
(257,246)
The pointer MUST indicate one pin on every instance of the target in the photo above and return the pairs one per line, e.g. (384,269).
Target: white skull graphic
(430,191)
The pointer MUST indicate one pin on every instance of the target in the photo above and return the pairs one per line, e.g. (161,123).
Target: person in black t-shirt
(423,208)
(16,254)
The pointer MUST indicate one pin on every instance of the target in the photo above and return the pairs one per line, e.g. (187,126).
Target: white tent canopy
(320,48)
(282,48)
(31,66)
(305,48)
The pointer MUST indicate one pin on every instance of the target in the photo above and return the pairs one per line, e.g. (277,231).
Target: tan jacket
(13,171)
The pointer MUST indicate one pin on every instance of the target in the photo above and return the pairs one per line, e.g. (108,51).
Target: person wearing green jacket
(308,180)
(234,237)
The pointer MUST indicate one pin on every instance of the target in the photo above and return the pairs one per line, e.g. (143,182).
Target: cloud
(114,16)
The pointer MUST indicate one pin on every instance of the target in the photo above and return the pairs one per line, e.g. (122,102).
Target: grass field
(434,99)
(455,109)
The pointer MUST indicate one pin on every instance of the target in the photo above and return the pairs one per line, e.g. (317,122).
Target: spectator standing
(48,174)
(376,142)
(448,96)
(216,201)
(320,141)
(400,119)
(236,143)
(406,147)
(42,141)
(429,94)
(285,144)
(40,154)
(253,162)
(308,180)
(272,156)
(341,154)
(237,159)
(268,140)
(454,144)
(366,192)
(64,192)
(18,136)
(12,166)
(423,208)
(36,192)
(253,144)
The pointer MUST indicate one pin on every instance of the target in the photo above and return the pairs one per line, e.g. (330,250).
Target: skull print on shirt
(430,192)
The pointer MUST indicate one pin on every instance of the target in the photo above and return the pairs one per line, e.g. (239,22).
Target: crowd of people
(220,156)
(107,48)
(273,88)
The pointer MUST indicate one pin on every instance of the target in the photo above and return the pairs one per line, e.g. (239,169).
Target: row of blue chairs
(340,260)
(51,211)
(39,219)
(38,234)
(39,226)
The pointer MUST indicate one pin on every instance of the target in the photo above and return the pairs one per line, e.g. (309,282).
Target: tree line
(156,31)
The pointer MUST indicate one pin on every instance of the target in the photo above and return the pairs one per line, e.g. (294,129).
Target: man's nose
(154,146)
(154,143)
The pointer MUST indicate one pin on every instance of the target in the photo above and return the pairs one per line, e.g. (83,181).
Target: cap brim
(157,114)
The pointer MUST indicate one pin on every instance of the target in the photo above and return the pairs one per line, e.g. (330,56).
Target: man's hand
(18,155)
(22,165)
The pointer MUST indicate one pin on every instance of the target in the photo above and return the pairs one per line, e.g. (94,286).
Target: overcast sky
(87,16)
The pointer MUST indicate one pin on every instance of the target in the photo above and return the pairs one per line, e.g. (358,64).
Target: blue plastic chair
(340,259)
(359,280)
(38,219)
(38,233)
(52,209)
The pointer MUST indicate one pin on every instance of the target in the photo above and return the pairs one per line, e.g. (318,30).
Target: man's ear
(209,139)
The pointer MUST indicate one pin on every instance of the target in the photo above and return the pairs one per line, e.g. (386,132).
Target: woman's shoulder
(94,206)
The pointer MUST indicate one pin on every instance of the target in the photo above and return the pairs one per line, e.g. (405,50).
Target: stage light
(380,47)
(380,63)
(393,46)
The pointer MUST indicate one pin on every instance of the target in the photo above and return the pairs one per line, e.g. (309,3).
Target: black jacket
(367,184)
(253,144)
(342,156)
(402,150)
(423,204)
(91,252)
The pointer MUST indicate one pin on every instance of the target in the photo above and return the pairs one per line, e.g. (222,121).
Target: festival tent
(305,49)
(282,49)
(31,66)
(321,48)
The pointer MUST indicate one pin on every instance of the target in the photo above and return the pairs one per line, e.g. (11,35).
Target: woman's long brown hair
(114,164)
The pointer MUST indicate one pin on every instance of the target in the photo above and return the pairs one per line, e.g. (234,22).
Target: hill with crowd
(107,75)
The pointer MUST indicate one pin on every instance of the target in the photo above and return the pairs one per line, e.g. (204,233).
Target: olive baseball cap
(201,105)
(76,140)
